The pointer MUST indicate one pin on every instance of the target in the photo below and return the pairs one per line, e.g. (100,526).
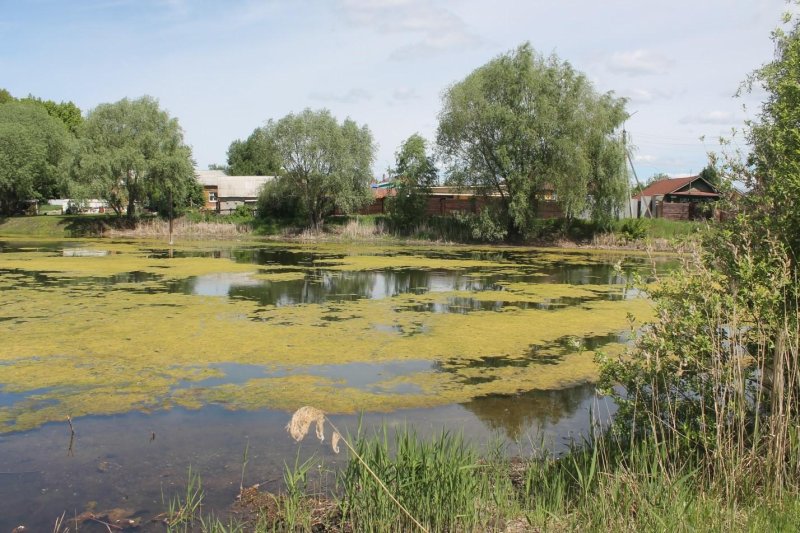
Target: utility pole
(630,161)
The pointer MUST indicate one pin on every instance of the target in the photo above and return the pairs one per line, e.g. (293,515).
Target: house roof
(241,186)
(208,177)
(669,186)
(666,186)
(696,193)
(232,186)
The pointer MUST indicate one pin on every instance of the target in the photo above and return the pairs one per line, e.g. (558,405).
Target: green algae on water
(65,344)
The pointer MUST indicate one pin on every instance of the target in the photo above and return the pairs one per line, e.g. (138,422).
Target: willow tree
(254,156)
(523,126)
(34,151)
(134,151)
(325,165)
(415,173)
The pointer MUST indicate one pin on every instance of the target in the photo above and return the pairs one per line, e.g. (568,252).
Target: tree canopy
(773,167)
(523,125)
(133,151)
(414,174)
(34,151)
(254,156)
(66,112)
(324,164)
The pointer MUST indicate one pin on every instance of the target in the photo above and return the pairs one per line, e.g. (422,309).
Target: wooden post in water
(170,217)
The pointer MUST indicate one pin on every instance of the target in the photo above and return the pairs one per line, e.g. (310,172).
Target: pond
(165,358)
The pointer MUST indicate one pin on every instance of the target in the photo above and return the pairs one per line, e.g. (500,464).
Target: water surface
(166,358)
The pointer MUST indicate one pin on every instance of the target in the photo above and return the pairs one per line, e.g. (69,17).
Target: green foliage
(184,511)
(415,173)
(487,226)
(158,199)
(255,156)
(278,200)
(224,168)
(633,229)
(437,481)
(67,112)
(292,505)
(34,152)
(711,175)
(326,165)
(133,151)
(716,379)
(773,168)
(513,127)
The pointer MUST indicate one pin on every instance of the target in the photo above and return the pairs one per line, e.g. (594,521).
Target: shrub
(633,229)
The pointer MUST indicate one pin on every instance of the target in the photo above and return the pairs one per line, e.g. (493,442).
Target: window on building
(212,196)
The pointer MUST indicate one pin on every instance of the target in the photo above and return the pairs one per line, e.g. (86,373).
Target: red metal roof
(667,186)
(696,193)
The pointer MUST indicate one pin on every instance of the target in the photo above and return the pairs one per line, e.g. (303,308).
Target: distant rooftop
(672,185)
(232,186)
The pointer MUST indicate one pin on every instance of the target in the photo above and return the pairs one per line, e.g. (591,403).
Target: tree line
(129,153)
(520,128)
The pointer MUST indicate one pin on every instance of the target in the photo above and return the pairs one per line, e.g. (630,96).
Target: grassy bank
(656,234)
(404,483)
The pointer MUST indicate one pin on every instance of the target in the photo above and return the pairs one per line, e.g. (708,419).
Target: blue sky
(224,67)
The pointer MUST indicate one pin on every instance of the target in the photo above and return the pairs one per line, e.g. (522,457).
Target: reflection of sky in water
(365,376)
(116,462)
(36,476)
(221,284)
(320,286)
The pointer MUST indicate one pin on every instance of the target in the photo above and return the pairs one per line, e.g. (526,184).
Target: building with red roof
(684,198)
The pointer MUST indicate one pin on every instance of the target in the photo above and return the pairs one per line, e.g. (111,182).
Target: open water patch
(364,376)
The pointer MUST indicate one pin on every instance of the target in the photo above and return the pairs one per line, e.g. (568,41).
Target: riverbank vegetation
(707,436)
(640,234)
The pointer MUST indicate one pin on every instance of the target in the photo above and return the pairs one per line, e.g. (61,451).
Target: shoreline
(110,227)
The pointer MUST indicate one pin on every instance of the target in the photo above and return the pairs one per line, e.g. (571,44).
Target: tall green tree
(66,112)
(773,168)
(34,151)
(717,375)
(254,156)
(325,164)
(414,173)
(523,125)
(711,175)
(133,151)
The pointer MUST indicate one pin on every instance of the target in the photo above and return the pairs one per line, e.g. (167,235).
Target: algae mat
(98,327)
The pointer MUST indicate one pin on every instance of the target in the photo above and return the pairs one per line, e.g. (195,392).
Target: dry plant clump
(301,422)
(182,227)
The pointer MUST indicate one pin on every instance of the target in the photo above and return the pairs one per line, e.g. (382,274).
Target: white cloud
(680,174)
(433,28)
(404,94)
(352,96)
(645,158)
(646,96)
(720,118)
(639,62)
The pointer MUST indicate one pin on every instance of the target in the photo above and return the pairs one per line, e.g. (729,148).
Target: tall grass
(437,481)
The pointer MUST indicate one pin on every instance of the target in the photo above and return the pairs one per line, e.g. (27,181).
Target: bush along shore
(635,234)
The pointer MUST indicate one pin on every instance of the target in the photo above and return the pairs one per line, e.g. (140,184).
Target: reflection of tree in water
(514,414)
(321,285)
